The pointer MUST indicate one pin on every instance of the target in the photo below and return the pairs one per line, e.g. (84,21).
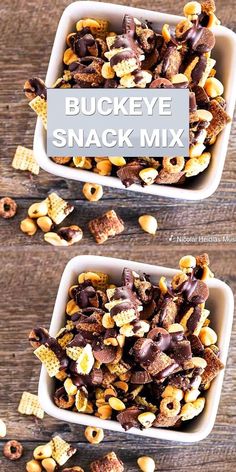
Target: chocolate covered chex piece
(108,463)
(218,122)
(123,313)
(48,359)
(105,226)
(214,365)
(39,105)
(58,208)
(61,450)
(150,357)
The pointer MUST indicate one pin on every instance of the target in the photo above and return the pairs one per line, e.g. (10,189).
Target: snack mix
(144,56)
(140,353)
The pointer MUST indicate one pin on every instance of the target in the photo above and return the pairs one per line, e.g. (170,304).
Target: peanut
(28,226)
(213,87)
(148,175)
(116,404)
(49,465)
(43,452)
(117,161)
(208,336)
(146,464)
(45,223)
(33,466)
(38,209)
(146,419)
(187,262)
(107,71)
(192,10)
(148,223)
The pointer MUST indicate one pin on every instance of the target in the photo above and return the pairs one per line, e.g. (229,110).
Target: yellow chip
(85,361)
(58,208)
(29,405)
(39,105)
(48,359)
(61,450)
(81,400)
(24,160)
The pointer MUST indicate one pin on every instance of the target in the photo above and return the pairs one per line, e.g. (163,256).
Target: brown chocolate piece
(161,82)
(202,98)
(128,25)
(140,377)
(181,351)
(147,39)
(88,72)
(199,294)
(150,357)
(144,289)
(203,41)
(214,365)
(150,60)
(129,418)
(129,174)
(194,319)
(168,313)
(35,87)
(165,177)
(161,337)
(91,324)
(108,463)
(171,62)
(163,421)
(219,120)
(105,226)
(196,345)
(106,354)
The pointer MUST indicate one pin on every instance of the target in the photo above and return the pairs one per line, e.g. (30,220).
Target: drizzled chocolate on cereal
(140,352)
(144,55)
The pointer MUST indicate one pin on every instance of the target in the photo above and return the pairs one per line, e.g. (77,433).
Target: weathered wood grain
(30,269)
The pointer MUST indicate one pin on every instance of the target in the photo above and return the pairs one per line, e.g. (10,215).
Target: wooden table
(31,269)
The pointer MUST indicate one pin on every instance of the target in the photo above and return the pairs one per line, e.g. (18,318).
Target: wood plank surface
(30,270)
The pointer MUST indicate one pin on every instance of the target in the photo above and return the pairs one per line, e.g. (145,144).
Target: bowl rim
(169,191)
(90,420)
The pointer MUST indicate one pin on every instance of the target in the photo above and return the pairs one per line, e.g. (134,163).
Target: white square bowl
(221,305)
(224,52)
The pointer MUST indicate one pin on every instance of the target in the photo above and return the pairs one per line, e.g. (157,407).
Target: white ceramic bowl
(224,52)
(220,303)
